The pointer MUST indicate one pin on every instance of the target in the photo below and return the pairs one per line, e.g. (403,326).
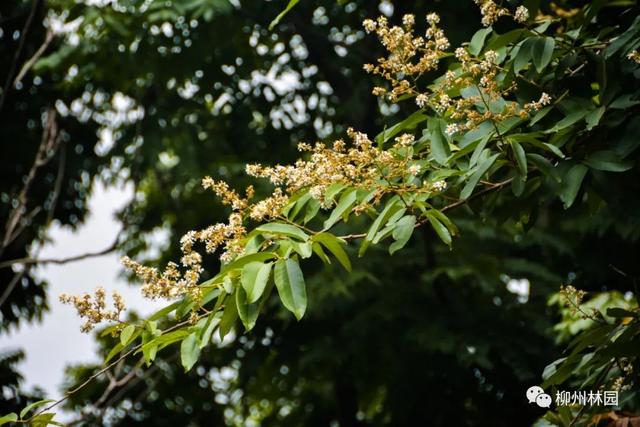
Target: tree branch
(444,209)
(27,65)
(18,53)
(32,261)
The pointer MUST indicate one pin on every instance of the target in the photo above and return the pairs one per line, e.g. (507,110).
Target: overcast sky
(57,341)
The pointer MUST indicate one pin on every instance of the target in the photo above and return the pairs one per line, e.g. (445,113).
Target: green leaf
(626,37)
(524,54)
(440,228)
(317,249)
(148,352)
(206,331)
(239,263)
(115,350)
(611,312)
(542,52)
(505,39)
(189,351)
(544,165)
(402,232)
(291,287)
(609,161)
(445,220)
(305,250)
(28,408)
(439,145)
(569,120)
(540,115)
(255,276)
(284,229)
(407,124)
(593,118)
(477,41)
(229,316)
(248,312)
(296,203)
(165,340)
(127,334)
(555,150)
(332,191)
(520,156)
(313,207)
(347,200)
(518,185)
(281,15)
(334,245)
(44,420)
(482,168)
(391,208)
(9,418)
(571,183)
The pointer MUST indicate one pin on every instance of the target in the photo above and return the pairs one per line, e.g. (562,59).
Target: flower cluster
(634,56)
(410,56)
(573,299)
(360,165)
(544,100)
(175,280)
(491,12)
(483,96)
(94,308)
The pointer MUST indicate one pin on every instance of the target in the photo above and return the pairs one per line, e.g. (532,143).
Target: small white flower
(521,15)
(451,129)
(405,140)
(491,56)
(414,169)
(369,25)
(408,20)
(421,100)
(461,54)
(545,99)
(433,18)
(440,185)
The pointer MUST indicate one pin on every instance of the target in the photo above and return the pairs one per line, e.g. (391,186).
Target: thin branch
(11,286)
(444,209)
(27,65)
(32,261)
(18,53)
(46,151)
(88,381)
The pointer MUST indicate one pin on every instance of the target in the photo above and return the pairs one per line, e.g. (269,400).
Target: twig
(11,286)
(597,384)
(86,382)
(18,53)
(47,149)
(444,209)
(31,261)
(27,65)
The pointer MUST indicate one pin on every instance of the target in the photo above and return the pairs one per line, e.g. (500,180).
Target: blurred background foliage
(161,93)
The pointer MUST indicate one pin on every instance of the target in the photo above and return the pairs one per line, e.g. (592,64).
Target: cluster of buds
(573,298)
(481,104)
(491,12)
(360,165)
(409,57)
(544,100)
(94,308)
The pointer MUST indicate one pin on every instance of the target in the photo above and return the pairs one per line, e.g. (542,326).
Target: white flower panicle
(93,308)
